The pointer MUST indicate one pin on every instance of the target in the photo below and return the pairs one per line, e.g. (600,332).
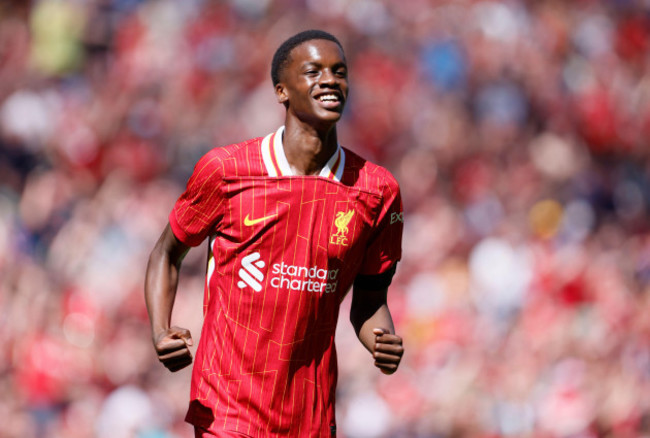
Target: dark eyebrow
(312,64)
(320,65)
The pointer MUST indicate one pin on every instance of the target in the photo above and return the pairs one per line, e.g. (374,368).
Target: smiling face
(314,84)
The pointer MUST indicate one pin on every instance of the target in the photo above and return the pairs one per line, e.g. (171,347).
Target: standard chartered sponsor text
(313,279)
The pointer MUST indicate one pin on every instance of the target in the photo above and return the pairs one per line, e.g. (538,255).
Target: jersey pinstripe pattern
(284,251)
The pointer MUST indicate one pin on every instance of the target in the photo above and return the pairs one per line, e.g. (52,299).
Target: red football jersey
(284,251)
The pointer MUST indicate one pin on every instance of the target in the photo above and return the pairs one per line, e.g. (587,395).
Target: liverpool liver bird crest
(342,220)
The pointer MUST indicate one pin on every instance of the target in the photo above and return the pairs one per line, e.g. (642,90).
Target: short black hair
(281,56)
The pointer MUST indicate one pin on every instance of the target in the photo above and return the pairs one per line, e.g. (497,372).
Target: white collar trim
(276,162)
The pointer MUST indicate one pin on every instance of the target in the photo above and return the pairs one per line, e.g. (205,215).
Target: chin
(328,122)
(331,116)
(321,119)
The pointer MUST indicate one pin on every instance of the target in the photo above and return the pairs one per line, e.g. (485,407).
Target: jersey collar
(276,162)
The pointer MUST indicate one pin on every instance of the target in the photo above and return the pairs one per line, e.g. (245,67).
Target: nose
(328,77)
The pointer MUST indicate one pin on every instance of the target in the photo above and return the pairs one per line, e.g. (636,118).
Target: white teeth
(328,98)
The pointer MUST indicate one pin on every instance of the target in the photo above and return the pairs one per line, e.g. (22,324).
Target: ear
(281,93)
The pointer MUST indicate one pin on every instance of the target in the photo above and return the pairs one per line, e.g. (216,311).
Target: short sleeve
(198,210)
(385,246)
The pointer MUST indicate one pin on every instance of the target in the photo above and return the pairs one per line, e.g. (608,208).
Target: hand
(172,347)
(388,350)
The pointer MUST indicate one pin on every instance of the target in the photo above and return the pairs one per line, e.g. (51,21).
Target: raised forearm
(171,343)
(373,324)
(366,320)
(161,280)
(160,290)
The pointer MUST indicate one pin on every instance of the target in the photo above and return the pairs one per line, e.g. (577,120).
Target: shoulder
(230,159)
(367,175)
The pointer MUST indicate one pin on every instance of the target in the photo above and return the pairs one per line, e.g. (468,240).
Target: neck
(308,149)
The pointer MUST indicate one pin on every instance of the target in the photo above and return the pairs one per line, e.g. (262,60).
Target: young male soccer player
(293,221)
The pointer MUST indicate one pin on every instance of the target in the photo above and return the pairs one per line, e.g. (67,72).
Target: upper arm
(198,211)
(168,246)
(370,292)
(384,247)
(368,300)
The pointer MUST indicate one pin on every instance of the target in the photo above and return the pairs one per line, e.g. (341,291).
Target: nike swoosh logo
(250,222)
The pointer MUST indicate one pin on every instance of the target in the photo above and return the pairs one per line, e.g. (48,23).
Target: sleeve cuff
(181,234)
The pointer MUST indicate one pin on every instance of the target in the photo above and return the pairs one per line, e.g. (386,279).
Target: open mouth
(329,100)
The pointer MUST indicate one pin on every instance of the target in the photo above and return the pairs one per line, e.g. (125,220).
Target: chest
(298,219)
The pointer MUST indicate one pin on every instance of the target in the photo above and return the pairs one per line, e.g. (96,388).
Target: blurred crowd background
(518,130)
